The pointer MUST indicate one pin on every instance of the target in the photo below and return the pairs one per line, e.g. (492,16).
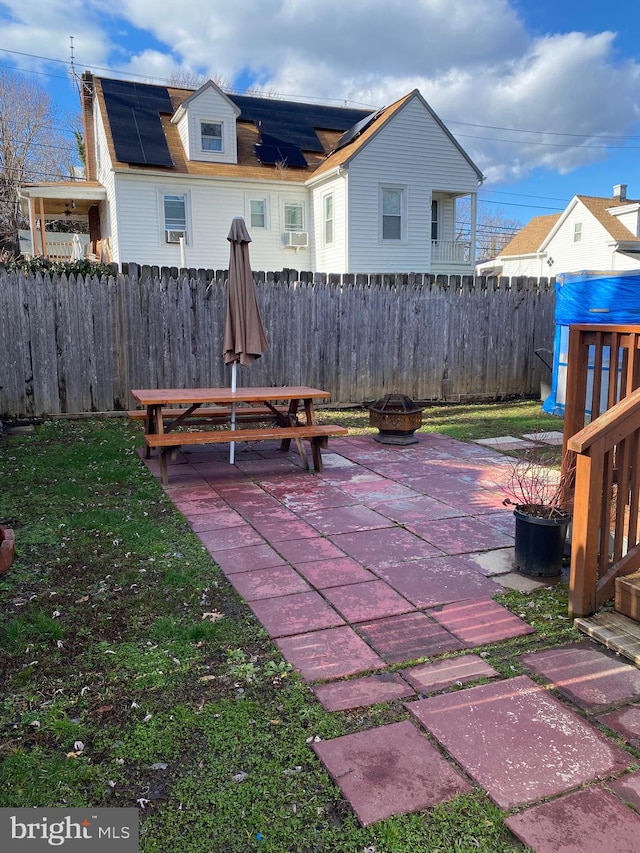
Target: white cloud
(473,60)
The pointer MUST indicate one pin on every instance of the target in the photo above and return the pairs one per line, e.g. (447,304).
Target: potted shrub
(539,493)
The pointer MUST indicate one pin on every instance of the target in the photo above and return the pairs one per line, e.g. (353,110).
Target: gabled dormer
(206,122)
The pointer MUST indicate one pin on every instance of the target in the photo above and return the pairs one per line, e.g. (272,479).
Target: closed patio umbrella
(244,337)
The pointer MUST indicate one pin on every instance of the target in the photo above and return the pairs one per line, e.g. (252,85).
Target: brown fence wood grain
(80,345)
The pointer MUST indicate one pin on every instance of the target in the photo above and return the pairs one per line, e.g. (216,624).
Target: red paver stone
(389,770)
(268,583)
(375,548)
(439,580)
(431,677)
(279,531)
(462,535)
(518,741)
(365,601)
(347,519)
(589,821)
(326,573)
(628,788)
(299,551)
(408,637)
(247,559)
(590,678)
(217,519)
(334,653)
(240,536)
(295,614)
(380,490)
(358,692)
(626,721)
(416,512)
(480,622)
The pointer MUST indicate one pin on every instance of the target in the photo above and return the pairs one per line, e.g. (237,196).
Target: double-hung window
(175,217)
(434,220)
(392,204)
(293,219)
(258,213)
(328,219)
(211,135)
(577,232)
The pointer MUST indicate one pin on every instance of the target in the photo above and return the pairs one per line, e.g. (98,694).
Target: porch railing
(450,252)
(603,373)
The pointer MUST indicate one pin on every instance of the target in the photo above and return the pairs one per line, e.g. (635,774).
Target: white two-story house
(321,188)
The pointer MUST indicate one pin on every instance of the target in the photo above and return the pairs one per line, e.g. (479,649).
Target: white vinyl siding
(411,151)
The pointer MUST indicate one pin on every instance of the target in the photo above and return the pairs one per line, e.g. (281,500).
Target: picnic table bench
(167,411)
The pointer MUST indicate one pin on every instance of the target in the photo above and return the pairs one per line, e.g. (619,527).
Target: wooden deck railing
(603,373)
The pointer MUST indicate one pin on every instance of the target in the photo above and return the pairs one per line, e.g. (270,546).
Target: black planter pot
(540,543)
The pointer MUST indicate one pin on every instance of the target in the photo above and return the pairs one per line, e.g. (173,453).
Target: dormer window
(211,135)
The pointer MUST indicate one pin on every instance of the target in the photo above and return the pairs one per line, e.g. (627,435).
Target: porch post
(472,233)
(32,227)
(43,228)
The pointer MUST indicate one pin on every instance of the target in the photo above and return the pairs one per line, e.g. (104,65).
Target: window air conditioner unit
(296,239)
(174,236)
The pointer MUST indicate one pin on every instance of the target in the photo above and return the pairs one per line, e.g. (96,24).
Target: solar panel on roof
(356,130)
(134,117)
(295,122)
(271,150)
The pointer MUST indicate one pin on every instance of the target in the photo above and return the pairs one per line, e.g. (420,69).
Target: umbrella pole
(232,446)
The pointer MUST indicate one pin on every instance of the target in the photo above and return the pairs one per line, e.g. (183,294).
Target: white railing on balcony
(450,252)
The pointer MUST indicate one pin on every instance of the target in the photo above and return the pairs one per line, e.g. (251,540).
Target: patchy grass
(132,673)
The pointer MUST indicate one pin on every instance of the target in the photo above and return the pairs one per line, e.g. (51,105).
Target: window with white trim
(328,219)
(175,217)
(211,135)
(577,232)
(258,213)
(391,206)
(293,216)
(434,219)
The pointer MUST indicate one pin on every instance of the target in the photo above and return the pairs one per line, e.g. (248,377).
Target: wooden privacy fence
(70,345)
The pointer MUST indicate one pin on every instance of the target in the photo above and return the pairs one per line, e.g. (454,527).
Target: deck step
(628,595)
(613,630)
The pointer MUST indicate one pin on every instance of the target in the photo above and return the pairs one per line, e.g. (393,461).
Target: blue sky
(544,95)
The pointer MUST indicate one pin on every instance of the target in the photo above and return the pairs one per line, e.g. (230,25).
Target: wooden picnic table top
(166,396)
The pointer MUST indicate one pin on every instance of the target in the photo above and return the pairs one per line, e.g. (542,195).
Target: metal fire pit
(397,417)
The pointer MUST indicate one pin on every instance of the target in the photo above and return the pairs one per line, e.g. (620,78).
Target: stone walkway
(391,555)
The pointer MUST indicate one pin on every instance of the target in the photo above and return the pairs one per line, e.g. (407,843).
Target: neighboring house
(592,234)
(327,189)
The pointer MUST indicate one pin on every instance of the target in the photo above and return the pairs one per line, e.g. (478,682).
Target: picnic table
(170,415)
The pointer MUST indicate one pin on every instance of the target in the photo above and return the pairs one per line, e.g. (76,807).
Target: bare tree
(493,229)
(33,148)
(183,78)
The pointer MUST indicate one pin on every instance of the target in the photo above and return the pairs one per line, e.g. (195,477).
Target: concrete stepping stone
(628,788)
(295,614)
(590,678)
(432,677)
(438,580)
(408,637)
(359,692)
(505,442)
(268,583)
(365,601)
(477,623)
(625,721)
(332,653)
(517,741)
(588,821)
(388,771)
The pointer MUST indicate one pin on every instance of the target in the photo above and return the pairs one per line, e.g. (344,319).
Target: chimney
(620,192)
(87,92)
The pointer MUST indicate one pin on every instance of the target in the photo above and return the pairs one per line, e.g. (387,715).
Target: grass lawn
(133,674)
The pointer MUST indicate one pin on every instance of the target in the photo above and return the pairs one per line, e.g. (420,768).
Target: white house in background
(591,234)
(328,189)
